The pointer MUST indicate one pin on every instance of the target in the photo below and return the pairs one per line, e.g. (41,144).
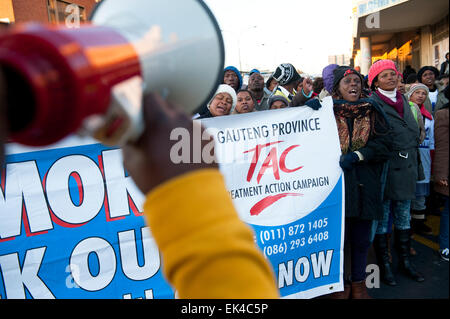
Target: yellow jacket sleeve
(207,251)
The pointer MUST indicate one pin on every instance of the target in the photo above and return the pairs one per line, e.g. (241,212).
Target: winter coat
(263,104)
(403,161)
(363,197)
(441,160)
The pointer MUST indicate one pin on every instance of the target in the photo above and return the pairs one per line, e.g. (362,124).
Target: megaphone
(61,80)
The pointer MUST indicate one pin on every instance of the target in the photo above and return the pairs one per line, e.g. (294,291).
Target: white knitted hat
(225,88)
(415,87)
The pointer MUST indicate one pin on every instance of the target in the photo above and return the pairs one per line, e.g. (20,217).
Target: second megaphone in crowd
(60,80)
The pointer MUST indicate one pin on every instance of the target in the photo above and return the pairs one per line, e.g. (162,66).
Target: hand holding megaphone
(61,80)
(148,160)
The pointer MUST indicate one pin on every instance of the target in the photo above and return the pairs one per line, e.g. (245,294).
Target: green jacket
(419,119)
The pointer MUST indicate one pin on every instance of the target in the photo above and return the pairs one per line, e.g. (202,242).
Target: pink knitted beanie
(379,67)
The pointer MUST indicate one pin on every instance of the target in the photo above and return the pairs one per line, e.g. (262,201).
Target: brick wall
(36,10)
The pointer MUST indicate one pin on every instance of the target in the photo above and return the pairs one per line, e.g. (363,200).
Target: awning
(404,16)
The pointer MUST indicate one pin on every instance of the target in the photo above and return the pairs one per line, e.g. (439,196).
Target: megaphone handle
(123,122)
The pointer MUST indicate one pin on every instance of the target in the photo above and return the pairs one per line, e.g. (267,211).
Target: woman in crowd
(222,103)
(441,172)
(403,171)
(418,94)
(231,77)
(277,102)
(428,76)
(245,102)
(364,138)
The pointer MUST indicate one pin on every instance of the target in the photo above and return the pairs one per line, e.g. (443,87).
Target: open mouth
(353,92)
(221,109)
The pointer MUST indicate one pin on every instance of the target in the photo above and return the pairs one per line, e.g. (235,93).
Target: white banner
(282,171)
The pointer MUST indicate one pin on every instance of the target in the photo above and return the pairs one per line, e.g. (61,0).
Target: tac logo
(277,182)
(277,164)
(271,161)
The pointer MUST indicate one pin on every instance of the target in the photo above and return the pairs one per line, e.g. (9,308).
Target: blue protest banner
(71,226)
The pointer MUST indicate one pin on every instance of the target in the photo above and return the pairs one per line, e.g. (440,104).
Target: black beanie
(342,71)
(286,74)
(427,68)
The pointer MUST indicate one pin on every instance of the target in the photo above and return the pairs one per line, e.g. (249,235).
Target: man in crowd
(256,87)
(232,77)
(287,78)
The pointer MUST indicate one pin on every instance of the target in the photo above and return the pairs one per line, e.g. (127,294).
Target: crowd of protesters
(393,131)
(394,139)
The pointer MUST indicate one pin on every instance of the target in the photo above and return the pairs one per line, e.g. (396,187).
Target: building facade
(409,32)
(45,11)
(340,59)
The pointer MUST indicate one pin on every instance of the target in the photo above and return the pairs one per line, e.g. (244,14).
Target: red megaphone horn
(58,77)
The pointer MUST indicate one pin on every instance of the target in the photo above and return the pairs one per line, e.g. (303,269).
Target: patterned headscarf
(362,124)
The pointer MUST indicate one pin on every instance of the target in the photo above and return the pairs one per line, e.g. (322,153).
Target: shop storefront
(409,32)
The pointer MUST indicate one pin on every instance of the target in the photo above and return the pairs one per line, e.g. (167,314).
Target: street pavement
(427,261)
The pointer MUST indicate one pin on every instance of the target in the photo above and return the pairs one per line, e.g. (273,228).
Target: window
(60,12)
